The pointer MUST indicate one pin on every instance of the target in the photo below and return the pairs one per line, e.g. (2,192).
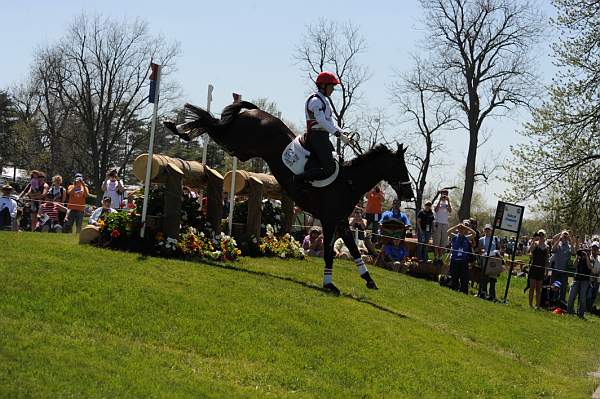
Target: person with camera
(374,208)
(539,254)
(113,188)
(579,288)
(594,280)
(442,210)
(562,250)
(461,256)
(77,194)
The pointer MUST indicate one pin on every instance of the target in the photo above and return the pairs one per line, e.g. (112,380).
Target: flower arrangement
(285,247)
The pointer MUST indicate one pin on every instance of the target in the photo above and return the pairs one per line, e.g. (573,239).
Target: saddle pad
(294,156)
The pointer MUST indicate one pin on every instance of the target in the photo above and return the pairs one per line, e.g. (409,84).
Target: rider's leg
(319,145)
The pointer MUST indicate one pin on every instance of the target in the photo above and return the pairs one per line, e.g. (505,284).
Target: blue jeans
(423,250)
(579,288)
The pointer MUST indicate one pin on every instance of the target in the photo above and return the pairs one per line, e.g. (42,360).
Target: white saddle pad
(294,156)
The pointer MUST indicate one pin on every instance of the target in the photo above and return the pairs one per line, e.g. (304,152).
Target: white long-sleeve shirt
(321,110)
(11,204)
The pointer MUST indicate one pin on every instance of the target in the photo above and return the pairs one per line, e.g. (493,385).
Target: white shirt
(11,204)
(323,116)
(441,215)
(96,215)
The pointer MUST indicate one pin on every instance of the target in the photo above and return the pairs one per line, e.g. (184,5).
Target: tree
(330,46)
(429,114)
(481,60)
(99,73)
(564,131)
(7,121)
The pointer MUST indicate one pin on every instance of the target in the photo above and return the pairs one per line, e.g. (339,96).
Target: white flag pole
(237,98)
(206,139)
(206,136)
(150,154)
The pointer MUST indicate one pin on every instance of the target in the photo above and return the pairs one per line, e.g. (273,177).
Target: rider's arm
(328,124)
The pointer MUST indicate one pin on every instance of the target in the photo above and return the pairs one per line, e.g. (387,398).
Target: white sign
(508,217)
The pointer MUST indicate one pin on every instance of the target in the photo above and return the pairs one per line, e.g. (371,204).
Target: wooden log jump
(175,172)
(255,186)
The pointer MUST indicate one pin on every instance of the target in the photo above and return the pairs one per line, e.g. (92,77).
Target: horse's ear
(401,149)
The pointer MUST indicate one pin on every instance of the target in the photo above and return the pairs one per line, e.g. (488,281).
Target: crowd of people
(474,255)
(53,207)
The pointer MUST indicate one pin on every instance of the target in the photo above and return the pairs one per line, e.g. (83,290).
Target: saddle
(295,157)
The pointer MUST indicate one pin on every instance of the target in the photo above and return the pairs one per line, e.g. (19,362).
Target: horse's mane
(231,111)
(368,156)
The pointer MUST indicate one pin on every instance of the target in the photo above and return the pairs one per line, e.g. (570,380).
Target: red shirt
(374,202)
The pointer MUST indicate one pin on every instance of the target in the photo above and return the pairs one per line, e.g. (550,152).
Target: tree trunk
(465,204)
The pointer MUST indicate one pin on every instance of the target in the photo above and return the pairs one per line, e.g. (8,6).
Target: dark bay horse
(255,133)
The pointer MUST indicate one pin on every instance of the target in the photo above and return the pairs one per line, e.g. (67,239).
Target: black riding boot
(317,142)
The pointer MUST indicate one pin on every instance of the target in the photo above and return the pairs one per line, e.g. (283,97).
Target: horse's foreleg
(346,235)
(328,238)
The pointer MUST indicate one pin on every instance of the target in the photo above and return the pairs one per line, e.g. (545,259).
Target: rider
(319,125)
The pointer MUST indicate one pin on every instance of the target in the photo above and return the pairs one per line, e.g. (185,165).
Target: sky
(247,47)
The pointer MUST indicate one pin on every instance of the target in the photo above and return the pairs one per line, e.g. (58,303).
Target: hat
(541,231)
(487,227)
(315,229)
(78,175)
(428,202)
(595,244)
(7,187)
(556,284)
(466,222)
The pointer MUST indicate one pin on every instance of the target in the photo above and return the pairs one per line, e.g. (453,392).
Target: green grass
(77,321)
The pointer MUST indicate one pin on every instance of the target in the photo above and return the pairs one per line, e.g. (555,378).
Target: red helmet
(327,78)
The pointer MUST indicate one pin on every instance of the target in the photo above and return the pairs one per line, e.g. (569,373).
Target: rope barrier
(369,232)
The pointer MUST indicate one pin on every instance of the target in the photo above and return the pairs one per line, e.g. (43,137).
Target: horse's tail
(199,120)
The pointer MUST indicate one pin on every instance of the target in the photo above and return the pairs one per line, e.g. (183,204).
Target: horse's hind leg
(328,237)
(346,235)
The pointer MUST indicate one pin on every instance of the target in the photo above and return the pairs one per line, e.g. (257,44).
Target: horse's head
(398,176)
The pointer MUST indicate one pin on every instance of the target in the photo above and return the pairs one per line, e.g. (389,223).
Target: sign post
(153,98)
(509,217)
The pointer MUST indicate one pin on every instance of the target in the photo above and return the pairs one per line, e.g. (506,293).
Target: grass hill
(77,321)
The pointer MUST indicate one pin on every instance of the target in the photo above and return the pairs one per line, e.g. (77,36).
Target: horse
(247,132)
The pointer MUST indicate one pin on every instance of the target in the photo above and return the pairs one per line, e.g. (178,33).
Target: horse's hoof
(332,289)
(370,283)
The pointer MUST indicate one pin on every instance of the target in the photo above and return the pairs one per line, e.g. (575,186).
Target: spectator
(8,209)
(113,188)
(442,209)
(461,253)
(539,254)
(425,220)
(374,207)
(313,243)
(562,250)
(59,194)
(579,288)
(357,222)
(392,255)
(486,240)
(595,264)
(341,251)
(130,201)
(395,213)
(36,190)
(102,212)
(77,193)
(48,216)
